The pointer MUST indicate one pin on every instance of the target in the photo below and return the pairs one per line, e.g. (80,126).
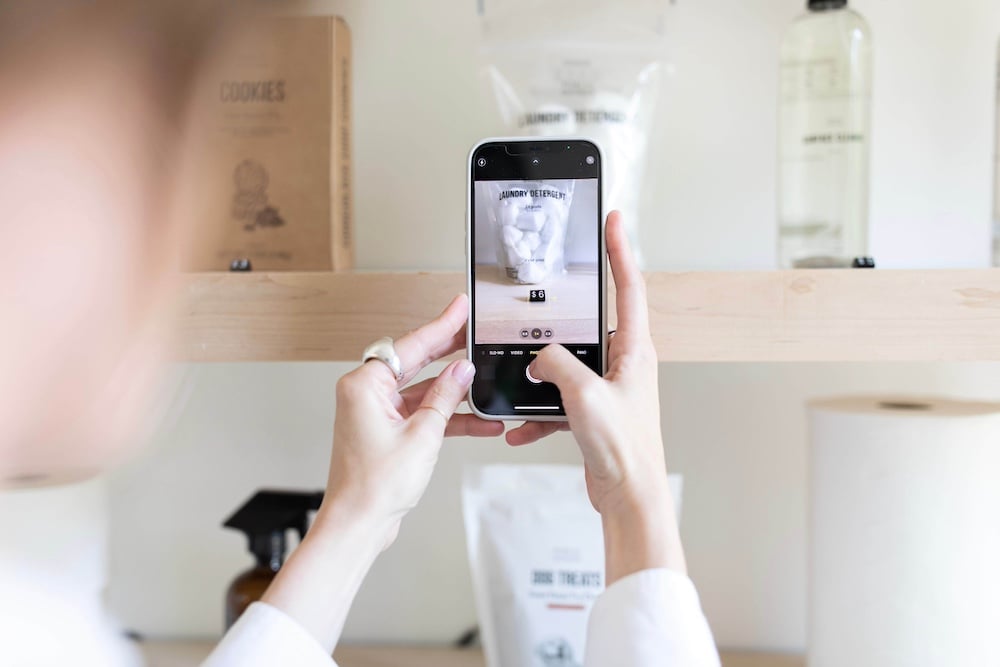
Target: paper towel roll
(905,534)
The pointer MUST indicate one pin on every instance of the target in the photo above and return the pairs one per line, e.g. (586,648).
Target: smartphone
(536,269)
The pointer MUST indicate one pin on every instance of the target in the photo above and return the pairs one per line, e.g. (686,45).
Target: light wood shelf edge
(833,315)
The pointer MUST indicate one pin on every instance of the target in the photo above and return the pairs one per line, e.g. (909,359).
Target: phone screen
(537,268)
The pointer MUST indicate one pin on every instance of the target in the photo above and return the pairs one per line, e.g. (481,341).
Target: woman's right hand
(616,422)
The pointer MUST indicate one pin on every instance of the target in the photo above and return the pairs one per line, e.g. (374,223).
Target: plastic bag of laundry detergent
(530,220)
(536,550)
(580,68)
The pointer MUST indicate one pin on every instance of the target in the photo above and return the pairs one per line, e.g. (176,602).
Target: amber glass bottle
(250,585)
(264,519)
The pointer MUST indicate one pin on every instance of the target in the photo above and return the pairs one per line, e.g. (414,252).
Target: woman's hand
(386,441)
(616,422)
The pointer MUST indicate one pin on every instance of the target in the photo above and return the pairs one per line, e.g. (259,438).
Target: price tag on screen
(537,296)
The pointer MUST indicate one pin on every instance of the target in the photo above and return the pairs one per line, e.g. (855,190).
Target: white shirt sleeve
(648,618)
(265,635)
(652,617)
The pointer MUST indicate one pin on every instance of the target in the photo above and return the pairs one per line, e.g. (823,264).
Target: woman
(90,93)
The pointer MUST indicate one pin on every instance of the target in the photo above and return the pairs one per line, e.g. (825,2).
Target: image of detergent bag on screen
(530,219)
(536,275)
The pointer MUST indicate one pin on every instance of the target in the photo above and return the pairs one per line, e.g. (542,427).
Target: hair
(165,40)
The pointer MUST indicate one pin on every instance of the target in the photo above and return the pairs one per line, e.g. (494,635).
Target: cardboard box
(275,160)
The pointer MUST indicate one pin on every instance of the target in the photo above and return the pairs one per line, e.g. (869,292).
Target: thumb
(559,366)
(443,396)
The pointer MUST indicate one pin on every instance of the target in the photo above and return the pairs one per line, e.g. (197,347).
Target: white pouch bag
(581,68)
(536,550)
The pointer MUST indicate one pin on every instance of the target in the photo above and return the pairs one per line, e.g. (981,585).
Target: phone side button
(531,378)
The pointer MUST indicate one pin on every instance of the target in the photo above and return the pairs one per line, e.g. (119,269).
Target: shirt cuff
(265,635)
(651,617)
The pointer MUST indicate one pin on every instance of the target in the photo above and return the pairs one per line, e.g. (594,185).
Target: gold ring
(431,407)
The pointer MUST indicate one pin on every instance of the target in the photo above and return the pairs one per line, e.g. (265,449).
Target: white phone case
(602,272)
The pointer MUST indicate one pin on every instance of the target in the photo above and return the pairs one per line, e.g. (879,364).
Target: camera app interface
(536,257)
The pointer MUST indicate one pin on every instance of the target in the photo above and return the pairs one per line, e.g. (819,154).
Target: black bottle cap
(824,5)
(265,518)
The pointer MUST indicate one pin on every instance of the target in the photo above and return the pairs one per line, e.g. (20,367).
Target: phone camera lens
(481,162)
(590,159)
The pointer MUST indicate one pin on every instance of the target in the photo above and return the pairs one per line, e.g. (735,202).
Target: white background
(736,431)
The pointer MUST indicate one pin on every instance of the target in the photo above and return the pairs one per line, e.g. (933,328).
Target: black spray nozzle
(265,518)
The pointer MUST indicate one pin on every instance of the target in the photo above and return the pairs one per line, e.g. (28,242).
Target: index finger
(630,286)
(438,338)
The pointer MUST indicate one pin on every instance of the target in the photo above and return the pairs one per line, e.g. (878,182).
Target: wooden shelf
(831,315)
(190,653)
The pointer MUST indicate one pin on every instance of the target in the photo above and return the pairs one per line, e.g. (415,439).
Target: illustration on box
(250,204)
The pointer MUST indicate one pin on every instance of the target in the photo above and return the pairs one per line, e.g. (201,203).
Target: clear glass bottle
(824,138)
(996,175)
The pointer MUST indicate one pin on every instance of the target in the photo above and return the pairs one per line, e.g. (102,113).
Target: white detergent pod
(511,235)
(547,231)
(509,260)
(508,214)
(532,239)
(554,250)
(541,250)
(532,272)
(530,221)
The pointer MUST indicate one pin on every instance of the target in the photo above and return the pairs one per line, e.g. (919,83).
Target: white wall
(735,431)
(239,427)
(709,199)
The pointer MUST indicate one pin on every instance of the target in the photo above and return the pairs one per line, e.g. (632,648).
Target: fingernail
(463,371)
